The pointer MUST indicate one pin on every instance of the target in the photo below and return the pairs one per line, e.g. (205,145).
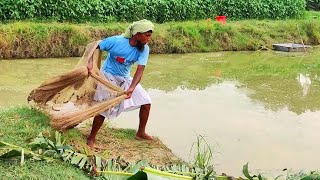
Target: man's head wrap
(138,27)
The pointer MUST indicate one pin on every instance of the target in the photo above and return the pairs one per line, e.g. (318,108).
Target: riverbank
(52,39)
(21,125)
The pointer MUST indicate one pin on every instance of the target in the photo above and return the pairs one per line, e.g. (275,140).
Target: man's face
(144,38)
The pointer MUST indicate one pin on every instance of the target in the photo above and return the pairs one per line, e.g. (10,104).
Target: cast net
(68,99)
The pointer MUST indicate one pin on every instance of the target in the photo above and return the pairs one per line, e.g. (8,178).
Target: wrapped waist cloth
(139,96)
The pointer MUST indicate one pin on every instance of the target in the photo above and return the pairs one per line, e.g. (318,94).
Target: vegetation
(50,156)
(34,40)
(313,5)
(24,153)
(156,10)
(19,127)
(259,9)
(41,34)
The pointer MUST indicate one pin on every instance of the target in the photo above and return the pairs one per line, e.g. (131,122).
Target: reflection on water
(256,107)
(305,83)
(19,77)
(239,129)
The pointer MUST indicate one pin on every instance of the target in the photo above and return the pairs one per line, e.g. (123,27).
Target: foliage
(156,10)
(313,5)
(202,152)
(245,171)
(259,9)
(38,40)
(313,175)
(43,148)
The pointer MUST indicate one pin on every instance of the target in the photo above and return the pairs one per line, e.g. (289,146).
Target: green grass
(20,126)
(51,39)
(312,15)
(40,170)
(123,133)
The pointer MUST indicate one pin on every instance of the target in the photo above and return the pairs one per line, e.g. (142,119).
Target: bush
(261,9)
(156,10)
(313,5)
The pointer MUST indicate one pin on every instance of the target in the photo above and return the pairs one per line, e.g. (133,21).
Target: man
(123,51)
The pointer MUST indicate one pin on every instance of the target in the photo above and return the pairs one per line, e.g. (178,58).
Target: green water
(256,107)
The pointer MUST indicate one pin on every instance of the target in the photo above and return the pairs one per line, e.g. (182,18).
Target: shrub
(156,10)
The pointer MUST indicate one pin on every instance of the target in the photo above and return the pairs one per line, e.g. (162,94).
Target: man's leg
(97,123)
(144,116)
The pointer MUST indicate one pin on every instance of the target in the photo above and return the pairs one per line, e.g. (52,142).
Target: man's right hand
(129,93)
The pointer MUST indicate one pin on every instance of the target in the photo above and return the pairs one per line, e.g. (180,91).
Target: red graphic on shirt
(120,59)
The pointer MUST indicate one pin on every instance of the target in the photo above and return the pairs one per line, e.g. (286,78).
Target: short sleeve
(143,57)
(107,43)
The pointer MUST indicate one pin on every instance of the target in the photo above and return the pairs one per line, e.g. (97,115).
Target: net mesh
(69,98)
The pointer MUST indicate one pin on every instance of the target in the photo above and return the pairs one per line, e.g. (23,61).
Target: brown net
(69,98)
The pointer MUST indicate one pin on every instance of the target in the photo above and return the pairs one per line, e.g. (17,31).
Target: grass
(312,15)
(40,170)
(203,154)
(20,125)
(51,39)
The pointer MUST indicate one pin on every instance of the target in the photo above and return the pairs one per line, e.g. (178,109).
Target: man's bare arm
(135,81)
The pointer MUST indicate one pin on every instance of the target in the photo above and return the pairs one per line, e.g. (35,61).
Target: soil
(114,143)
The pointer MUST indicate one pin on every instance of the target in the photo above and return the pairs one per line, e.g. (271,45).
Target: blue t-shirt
(121,55)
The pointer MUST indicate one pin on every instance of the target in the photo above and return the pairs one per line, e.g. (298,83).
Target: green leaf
(245,171)
(98,162)
(140,175)
(68,156)
(22,157)
(109,165)
(2,144)
(58,138)
(64,147)
(36,158)
(50,143)
(208,175)
(4,151)
(11,153)
(76,158)
(114,165)
(137,166)
(83,162)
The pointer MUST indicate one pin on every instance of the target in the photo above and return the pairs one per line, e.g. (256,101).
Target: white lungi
(139,96)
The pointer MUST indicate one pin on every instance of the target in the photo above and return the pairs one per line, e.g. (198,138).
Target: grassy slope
(19,127)
(34,39)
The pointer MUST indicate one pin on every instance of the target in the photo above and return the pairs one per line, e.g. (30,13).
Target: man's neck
(133,42)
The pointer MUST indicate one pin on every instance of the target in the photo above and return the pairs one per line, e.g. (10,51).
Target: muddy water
(261,107)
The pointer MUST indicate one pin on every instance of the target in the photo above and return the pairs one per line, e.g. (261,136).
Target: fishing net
(69,98)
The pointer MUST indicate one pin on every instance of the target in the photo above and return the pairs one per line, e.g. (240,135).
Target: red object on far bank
(221,19)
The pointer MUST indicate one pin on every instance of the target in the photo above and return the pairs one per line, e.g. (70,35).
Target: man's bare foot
(91,142)
(143,136)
